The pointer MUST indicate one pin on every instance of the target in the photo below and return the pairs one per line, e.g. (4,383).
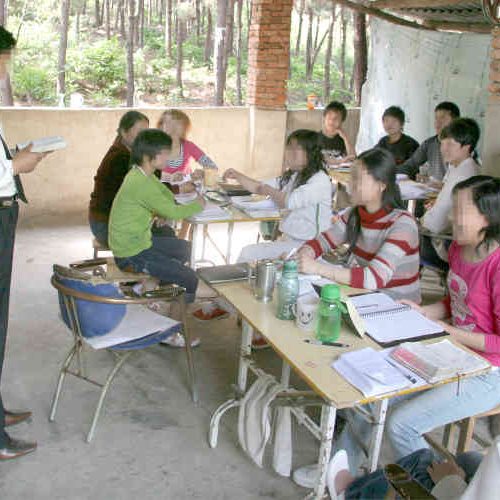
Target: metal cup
(265,276)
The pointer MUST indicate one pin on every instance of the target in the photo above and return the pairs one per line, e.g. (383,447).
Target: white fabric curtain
(417,69)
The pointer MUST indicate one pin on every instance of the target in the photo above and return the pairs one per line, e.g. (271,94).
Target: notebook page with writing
(389,322)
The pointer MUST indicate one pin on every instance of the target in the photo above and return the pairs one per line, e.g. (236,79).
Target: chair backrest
(85,317)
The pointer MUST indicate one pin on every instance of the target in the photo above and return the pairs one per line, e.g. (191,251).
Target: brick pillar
(268,53)
(491,145)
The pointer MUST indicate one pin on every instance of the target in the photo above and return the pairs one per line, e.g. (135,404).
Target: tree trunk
(343,16)
(316,34)
(328,57)
(360,55)
(3,12)
(219,46)
(63,46)
(309,45)
(130,54)
(161,11)
(168,29)
(239,8)
(299,34)
(198,20)
(229,31)
(77,27)
(249,15)
(108,19)
(208,40)
(97,11)
(6,85)
(141,17)
(122,20)
(180,35)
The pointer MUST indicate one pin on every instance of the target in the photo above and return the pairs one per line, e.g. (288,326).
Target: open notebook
(388,322)
(369,371)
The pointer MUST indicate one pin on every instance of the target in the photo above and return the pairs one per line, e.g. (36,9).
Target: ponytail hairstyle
(486,196)
(308,140)
(380,164)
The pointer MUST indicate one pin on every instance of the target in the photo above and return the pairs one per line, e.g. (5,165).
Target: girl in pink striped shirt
(382,238)
(176,124)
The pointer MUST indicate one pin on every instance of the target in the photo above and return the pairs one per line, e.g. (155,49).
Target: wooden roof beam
(382,15)
(414,4)
(459,27)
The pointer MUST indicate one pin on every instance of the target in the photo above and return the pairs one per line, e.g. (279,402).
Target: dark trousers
(100,230)
(375,485)
(8,221)
(166,260)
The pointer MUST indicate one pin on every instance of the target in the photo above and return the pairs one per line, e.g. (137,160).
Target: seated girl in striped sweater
(382,238)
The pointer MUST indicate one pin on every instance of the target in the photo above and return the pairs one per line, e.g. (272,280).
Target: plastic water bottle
(288,291)
(329,314)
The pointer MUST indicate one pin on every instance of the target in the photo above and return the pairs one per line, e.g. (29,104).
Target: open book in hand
(45,144)
(388,322)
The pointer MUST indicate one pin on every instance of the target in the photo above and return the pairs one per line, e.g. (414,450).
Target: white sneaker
(306,476)
(338,463)
(178,340)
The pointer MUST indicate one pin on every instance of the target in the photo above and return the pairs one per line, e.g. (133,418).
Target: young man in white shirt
(10,191)
(458,142)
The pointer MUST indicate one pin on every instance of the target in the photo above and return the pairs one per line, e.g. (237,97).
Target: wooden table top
(311,362)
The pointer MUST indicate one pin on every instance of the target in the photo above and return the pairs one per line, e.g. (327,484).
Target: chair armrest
(115,300)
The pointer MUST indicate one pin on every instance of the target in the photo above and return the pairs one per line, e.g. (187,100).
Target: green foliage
(96,67)
(34,85)
(101,66)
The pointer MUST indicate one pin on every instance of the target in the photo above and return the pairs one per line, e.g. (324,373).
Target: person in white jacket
(304,192)
(458,142)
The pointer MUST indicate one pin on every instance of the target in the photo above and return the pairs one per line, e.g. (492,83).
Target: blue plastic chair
(94,308)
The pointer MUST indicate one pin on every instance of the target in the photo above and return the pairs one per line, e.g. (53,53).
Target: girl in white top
(304,192)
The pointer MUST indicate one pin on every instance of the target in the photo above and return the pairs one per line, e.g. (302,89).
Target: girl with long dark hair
(382,237)
(304,190)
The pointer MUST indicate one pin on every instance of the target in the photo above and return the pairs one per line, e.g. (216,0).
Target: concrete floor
(151,441)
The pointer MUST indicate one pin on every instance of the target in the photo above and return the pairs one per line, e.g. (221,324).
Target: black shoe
(15,448)
(16,417)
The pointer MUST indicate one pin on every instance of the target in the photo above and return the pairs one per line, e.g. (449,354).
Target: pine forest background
(162,52)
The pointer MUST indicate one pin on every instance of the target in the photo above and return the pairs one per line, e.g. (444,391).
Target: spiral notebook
(388,322)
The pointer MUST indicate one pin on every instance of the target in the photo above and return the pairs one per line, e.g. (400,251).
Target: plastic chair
(97,309)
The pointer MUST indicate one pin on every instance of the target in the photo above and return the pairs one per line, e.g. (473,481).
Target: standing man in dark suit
(11,191)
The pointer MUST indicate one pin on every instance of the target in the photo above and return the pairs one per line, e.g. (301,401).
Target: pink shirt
(474,299)
(188,150)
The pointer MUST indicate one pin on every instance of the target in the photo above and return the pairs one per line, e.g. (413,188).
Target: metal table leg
(328,414)
(378,431)
(204,241)
(230,229)
(194,241)
(245,350)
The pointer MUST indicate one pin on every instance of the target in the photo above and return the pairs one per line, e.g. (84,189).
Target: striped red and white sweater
(386,254)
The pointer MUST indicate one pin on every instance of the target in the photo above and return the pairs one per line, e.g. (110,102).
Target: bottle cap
(290,266)
(330,293)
